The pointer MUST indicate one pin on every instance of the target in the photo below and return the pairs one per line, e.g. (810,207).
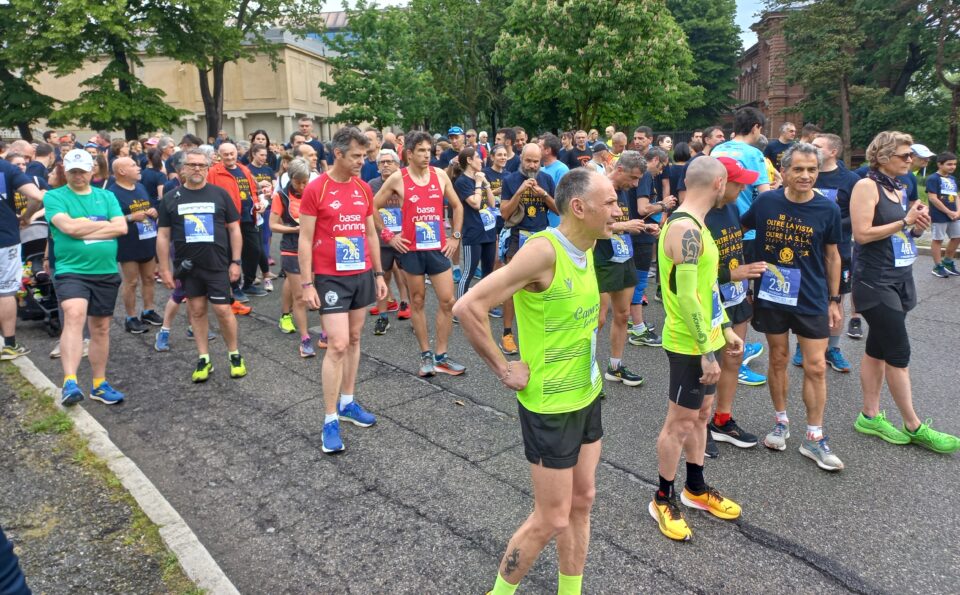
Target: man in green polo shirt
(554,287)
(85,222)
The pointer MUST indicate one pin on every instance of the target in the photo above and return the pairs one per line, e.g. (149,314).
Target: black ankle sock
(507,331)
(695,482)
(10,341)
(666,489)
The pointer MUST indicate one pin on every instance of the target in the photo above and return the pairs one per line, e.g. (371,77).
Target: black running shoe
(732,433)
(711,451)
(854,329)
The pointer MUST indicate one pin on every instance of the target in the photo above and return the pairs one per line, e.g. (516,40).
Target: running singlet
(422,213)
(676,335)
(286,205)
(558,330)
(340,236)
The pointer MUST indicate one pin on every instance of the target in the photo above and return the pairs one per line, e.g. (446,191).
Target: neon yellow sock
(569,585)
(69,377)
(502,587)
(98,381)
(232,353)
(205,357)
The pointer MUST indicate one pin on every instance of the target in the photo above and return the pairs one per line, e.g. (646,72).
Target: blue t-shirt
(945,187)
(246,195)
(675,173)
(533,205)
(724,225)
(513,164)
(775,150)
(479,225)
(140,243)
(750,158)
(792,237)
(11,178)
(555,170)
(317,146)
(837,185)
(35,169)
(370,170)
(170,185)
(446,157)
(152,179)
(681,184)
(644,189)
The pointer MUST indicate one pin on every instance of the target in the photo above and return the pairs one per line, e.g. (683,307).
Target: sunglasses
(905,156)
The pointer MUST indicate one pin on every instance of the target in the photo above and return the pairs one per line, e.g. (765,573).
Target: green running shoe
(881,428)
(202,373)
(286,324)
(931,439)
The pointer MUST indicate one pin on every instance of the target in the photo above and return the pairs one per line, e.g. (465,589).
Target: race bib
(780,285)
(733,293)
(489,218)
(904,249)
(428,235)
(391,219)
(146,229)
(716,313)
(197,221)
(948,186)
(622,248)
(96,218)
(524,234)
(350,253)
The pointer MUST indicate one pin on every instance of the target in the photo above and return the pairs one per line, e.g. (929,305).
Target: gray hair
(631,160)
(165,142)
(388,153)
(574,183)
(657,153)
(802,148)
(347,135)
(208,151)
(785,125)
(198,151)
(243,146)
(762,142)
(299,169)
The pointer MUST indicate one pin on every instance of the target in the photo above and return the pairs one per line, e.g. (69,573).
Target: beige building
(255,97)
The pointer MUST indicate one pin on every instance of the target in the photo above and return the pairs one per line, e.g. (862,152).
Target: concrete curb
(196,561)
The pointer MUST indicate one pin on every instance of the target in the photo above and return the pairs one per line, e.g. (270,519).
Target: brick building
(762,79)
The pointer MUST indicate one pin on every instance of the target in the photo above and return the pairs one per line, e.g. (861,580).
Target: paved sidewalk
(425,501)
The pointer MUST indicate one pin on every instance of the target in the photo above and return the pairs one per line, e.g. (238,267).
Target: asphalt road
(425,501)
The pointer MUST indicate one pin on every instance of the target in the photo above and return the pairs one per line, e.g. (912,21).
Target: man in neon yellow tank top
(695,331)
(554,287)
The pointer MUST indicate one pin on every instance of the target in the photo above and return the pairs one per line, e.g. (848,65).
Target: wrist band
(306,285)
(386,235)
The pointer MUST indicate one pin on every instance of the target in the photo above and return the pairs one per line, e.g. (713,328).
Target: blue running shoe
(331,442)
(496,313)
(751,351)
(457,275)
(356,415)
(837,361)
(71,394)
(106,394)
(798,357)
(210,334)
(748,377)
(254,291)
(162,343)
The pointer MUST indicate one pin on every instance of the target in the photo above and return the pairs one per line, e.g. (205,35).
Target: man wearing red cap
(734,275)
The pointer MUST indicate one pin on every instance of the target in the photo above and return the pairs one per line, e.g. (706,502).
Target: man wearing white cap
(85,223)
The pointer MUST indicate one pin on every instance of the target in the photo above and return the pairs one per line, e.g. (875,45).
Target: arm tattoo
(511,562)
(711,357)
(690,246)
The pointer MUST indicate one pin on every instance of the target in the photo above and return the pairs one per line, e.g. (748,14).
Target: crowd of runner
(553,238)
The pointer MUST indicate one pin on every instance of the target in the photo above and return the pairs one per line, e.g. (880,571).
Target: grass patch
(43,416)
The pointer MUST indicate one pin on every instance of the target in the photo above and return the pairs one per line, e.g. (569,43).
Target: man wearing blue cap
(455,136)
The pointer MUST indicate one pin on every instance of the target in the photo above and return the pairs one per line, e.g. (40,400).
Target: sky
(746,15)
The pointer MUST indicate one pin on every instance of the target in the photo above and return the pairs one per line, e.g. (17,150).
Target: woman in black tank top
(884,227)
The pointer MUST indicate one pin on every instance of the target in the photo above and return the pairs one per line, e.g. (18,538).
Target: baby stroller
(37,299)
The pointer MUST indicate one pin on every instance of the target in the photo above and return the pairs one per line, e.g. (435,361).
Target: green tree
(210,34)
(575,62)
(944,16)
(823,37)
(714,39)
(375,76)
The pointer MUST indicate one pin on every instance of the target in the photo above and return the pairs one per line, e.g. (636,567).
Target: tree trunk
(212,98)
(845,117)
(130,128)
(915,61)
(952,120)
(25,132)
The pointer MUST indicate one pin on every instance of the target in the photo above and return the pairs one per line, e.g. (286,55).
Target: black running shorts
(685,387)
(553,439)
(423,262)
(616,276)
(213,285)
(100,291)
(778,322)
(342,293)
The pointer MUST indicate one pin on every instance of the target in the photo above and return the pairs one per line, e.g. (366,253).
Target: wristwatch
(836,299)
(457,235)
(237,262)
(378,273)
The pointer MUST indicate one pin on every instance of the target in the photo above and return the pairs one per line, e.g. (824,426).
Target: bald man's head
(228,155)
(126,170)
(23,147)
(706,177)
(530,160)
